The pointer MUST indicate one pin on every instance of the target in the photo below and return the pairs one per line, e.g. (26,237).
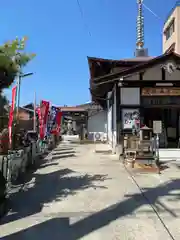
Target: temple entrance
(170,121)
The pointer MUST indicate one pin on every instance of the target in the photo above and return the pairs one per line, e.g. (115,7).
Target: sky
(62,39)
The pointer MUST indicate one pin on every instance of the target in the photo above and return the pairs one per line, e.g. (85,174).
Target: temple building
(146,86)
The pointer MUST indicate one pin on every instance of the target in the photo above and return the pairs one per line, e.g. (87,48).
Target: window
(169,30)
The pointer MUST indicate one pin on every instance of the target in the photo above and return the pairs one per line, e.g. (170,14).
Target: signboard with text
(129,117)
(157,127)
(160,91)
(162,100)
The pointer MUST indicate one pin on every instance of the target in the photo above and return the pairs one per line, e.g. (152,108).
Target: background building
(171,30)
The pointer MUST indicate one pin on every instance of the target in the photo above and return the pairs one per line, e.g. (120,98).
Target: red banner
(58,122)
(43,115)
(40,123)
(45,110)
(11,113)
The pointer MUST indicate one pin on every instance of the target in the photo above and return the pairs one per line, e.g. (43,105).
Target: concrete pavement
(163,193)
(79,194)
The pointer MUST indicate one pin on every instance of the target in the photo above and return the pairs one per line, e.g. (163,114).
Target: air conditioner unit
(91,136)
(105,138)
(100,136)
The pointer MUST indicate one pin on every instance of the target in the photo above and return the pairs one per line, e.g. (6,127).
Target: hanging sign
(157,91)
(157,127)
(129,118)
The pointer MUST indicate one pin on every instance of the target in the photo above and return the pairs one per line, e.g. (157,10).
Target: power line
(82,16)
(151,11)
(86,25)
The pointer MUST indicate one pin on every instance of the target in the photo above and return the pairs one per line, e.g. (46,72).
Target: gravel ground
(79,194)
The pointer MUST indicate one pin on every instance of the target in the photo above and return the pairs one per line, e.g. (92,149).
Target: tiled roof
(72,109)
(137,59)
(137,67)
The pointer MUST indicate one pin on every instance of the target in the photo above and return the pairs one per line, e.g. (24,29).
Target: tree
(4,104)
(12,59)
(4,107)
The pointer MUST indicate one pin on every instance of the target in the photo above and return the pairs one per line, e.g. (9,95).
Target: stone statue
(69,128)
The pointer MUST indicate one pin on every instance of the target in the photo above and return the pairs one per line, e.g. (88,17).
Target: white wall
(98,122)
(154,73)
(114,132)
(109,120)
(130,96)
(109,125)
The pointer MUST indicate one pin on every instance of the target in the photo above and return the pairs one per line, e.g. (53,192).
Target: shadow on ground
(45,188)
(61,227)
(63,152)
(60,156)
(63,149)
(57,185)
(43,162)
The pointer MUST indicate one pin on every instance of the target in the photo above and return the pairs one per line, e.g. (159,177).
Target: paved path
(79,194)
(163,193)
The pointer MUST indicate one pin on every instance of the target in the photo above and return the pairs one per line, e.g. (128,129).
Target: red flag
(45,110)
(38,110)
(58,122)
(11,113)
(43,115)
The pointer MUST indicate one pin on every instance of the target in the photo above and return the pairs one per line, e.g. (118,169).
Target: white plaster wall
(114,132)
(109,125)
(154,73)
(109,120)
(98,122)
(130,96)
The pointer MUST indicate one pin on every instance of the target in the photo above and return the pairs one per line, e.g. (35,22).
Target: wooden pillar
(141,109)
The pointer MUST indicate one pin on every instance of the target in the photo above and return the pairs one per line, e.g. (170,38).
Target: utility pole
(18,96)
(19,78)
(34,112)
